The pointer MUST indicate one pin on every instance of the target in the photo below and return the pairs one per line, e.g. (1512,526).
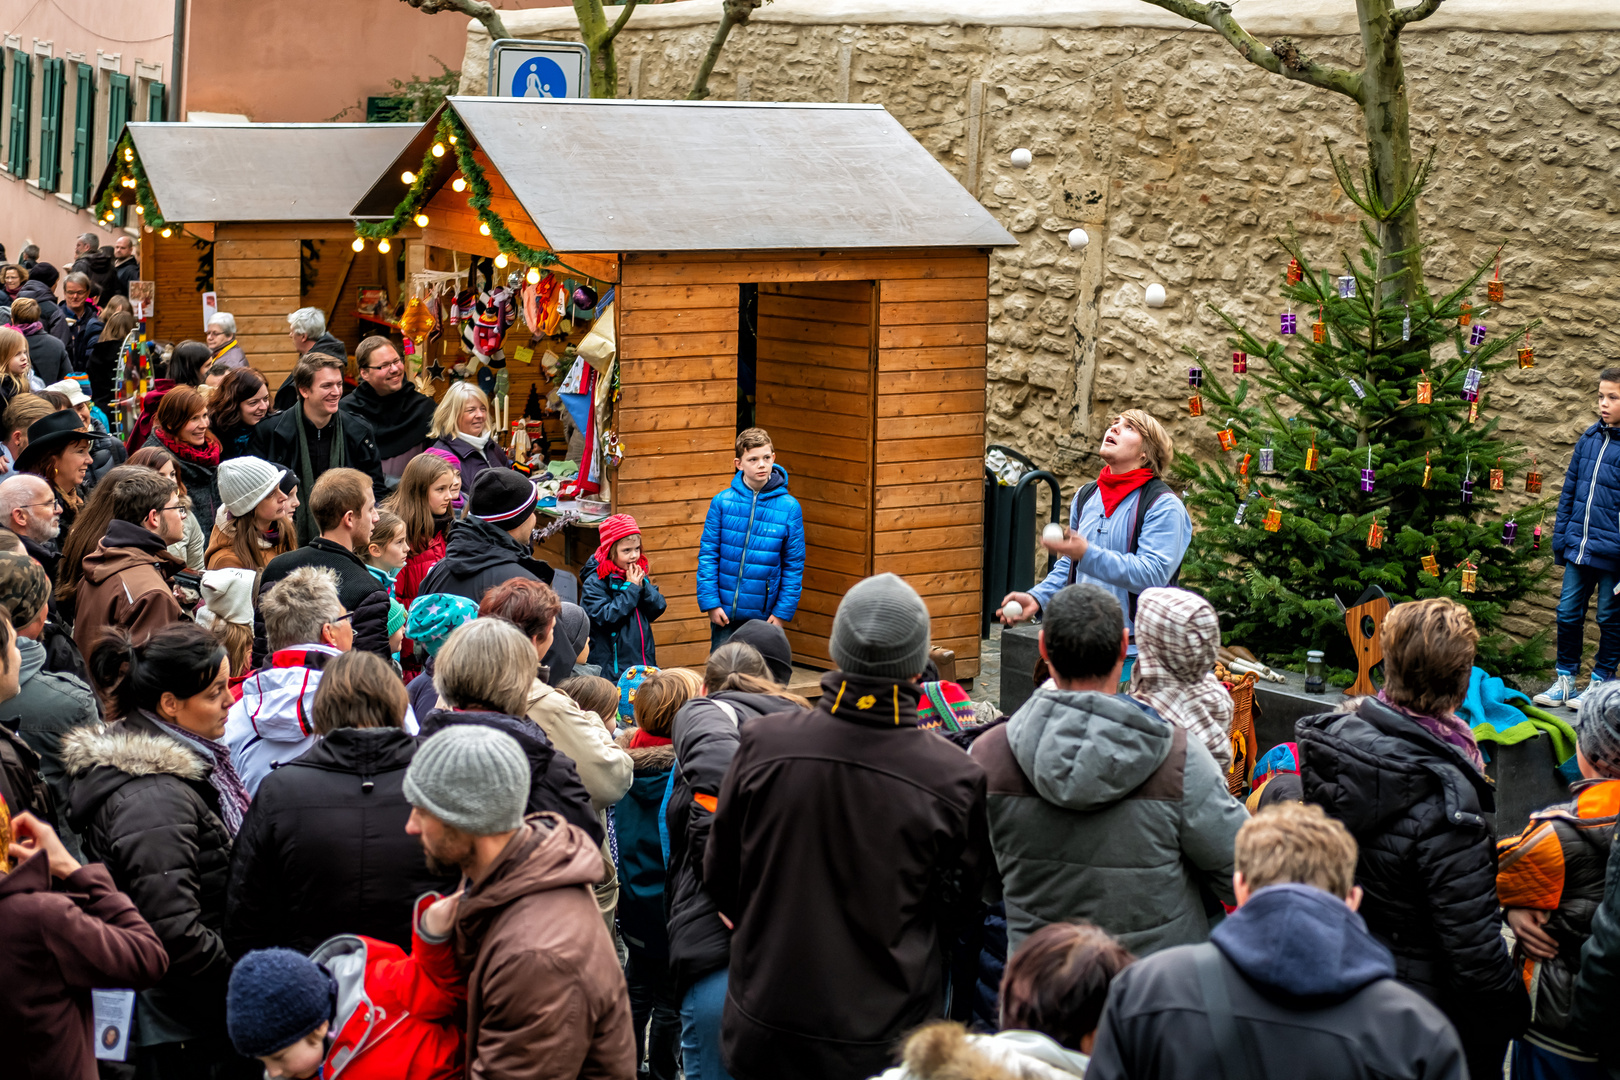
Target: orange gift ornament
(1493,287)
(1228,440)
(1496,480)
(1195,405)
(1532,479)
(1311,458)
(1467,316)
(1425,389)
(1375,535)
(1470,577)
(1431,565)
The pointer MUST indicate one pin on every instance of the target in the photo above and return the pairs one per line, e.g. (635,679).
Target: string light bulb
(140,210)
(383,245)
(407,177)
(501,260)
(452,140)
(438,149)
(166,232)
(359,244)
(533,276)
(483,228)
(129,155)
(458,184)
(117,202)
(421,221)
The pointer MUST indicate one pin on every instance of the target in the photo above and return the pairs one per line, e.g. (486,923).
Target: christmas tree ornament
(1367,475)
(1319,329)
(1357,389)
(1311,460)
(1268,461)
(1289,323)
(1227,440)
(1532,479)
(1470,391)
(1468,485)
(1470,578)
(1295,272)
(1431,565)
(1535,539)
(1473,411)
(1493,287)
(1273,519)
(1467,315)
(1243,508)
(1527,358)
(1510,532)
(1195,405)
(1195,377)
(1428,470)
(1476,336)
(1406,324)
(1496,480)
(1375,536)
(1347,287)
(1240,362)
(1243,468)
(1425,389)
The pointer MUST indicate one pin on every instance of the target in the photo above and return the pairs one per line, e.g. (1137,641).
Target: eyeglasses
(345,617)
(181,510)
(388,366)
(54,504)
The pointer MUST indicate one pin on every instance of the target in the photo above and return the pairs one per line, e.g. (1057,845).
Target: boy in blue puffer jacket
(751,557)
(1586,543)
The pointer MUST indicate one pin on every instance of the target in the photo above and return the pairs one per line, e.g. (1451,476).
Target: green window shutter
(156,101)
(117,117)
(22,84)
(84,124)
(53,72)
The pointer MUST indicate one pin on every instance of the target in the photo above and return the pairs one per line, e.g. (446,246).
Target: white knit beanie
(227,596)
(244,482)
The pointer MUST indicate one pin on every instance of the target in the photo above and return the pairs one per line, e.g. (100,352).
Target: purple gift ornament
(1510,532)
(1467,492)
(1195,377)
(1367,480)
(1476,336)
(1289,324)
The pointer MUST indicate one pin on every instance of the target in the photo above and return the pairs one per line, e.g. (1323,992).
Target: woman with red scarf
(620,598)
(181,428)
(1115,538)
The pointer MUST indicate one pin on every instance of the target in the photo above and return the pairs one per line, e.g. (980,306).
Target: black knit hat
(274,998)
(502,497)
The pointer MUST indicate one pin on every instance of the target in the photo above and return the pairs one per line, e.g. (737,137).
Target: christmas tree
(1361,450)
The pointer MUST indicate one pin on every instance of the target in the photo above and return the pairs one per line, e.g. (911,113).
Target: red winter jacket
(406,587)
(397,1012)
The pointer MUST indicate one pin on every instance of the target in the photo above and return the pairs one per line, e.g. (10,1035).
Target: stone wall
(1183,163)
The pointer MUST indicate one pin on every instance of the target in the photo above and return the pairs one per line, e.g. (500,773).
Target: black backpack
(1148,494)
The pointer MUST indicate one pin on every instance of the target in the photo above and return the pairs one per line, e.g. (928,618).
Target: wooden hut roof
(261,172)
(609,175)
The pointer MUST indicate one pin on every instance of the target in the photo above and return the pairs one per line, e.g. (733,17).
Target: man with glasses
(29,508)
(399,413)
(126,579)
(83,321)
(221,337)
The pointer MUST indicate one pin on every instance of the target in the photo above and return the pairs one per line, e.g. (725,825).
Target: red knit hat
(613,529)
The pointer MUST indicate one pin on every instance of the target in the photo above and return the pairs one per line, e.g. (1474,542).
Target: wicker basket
(1244,750)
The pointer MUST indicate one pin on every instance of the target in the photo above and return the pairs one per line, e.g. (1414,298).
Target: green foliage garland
(131,167)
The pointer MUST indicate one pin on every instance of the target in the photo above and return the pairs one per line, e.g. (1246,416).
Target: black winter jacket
(479,556)
(202,486)
(275,439)
(553,781)
(1421,814)
(48,356)
(1596,997)
(706,737)
(141,800)
(323,850)
(1311,996)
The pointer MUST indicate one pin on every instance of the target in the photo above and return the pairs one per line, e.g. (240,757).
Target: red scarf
(1115,486)
(610,532)
(641,739)
(208,454)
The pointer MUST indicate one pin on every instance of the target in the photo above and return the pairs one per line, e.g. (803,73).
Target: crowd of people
(309,767)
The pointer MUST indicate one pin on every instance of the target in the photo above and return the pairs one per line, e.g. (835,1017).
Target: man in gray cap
(840,949)
(546,996)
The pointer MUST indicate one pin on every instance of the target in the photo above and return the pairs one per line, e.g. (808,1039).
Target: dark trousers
(719,635)
(1579,581)
(655,1009)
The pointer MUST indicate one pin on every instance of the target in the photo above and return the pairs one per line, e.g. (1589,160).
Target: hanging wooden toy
(1510,532)
(1295,272)
(1493,287)
(1425,389)
(1240,362)
(1367,475)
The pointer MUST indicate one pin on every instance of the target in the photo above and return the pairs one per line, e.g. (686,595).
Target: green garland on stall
(152,217)
(451,132)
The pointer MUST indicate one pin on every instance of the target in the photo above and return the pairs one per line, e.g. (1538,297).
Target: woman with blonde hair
(1127,529)
(16,370)
(425,502)
(461,426)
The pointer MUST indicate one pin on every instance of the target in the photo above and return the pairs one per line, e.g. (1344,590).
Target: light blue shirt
(1166,532)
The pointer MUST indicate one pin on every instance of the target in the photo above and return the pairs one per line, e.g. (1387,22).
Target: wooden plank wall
(678,422)
(814,379)
(257,281)
(929,416)
(171,262)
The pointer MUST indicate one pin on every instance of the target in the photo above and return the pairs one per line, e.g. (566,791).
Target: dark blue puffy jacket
(751,561)
(621,619)
(1587,529)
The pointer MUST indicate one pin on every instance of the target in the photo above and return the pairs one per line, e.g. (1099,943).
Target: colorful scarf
(29,329)
(1446,727)
(223,778)
(1113,487)
(222,350)
(207,455)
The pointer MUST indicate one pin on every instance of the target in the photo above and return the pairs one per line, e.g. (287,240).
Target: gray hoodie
(49,706)
(1101,810)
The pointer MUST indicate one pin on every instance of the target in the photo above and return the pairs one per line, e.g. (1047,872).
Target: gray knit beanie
(1598,725)
(471,777)
(881,629)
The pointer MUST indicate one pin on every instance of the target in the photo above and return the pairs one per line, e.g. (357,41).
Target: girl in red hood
(621,599)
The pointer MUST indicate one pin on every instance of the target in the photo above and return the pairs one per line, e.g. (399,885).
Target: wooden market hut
(267,205)
(869,263)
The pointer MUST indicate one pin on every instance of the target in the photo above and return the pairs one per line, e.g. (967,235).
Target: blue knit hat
(396,616)
(629,682)
(276,997)
(434,615)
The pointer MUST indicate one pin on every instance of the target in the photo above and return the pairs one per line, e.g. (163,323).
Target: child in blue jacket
(1586,543)
(751,557)
(621,599)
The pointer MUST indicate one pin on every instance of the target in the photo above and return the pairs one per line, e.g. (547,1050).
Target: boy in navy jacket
(1586,543)
(751,557)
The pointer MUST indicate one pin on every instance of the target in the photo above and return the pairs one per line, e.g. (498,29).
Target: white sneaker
(1559,693)
(1575,702)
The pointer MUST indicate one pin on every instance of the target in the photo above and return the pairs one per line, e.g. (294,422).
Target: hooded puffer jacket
(1557,865)
(553,782)
(751,560)
(141,800)
(1586,531)
(479,556)
(46,709)
(706,733)
(1101,810)
(1312,997)
(622,615)
(1420,813)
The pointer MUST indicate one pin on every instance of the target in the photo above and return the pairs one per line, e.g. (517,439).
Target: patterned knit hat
(1598,727)
(945,705)
(434,615)
(629,682)
(502,497)
(24,588)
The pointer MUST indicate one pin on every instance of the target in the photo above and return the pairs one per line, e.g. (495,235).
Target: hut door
(815,386)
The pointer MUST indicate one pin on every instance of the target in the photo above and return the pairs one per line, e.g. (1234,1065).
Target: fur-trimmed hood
(646,758)
(102,758)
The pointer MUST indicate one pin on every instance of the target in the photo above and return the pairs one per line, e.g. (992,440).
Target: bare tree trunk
(483,12)
(732,13)
(598,36)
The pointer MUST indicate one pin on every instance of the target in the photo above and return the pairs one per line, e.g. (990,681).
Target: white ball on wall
(1155,295)
(1021,158)
(1078,239)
